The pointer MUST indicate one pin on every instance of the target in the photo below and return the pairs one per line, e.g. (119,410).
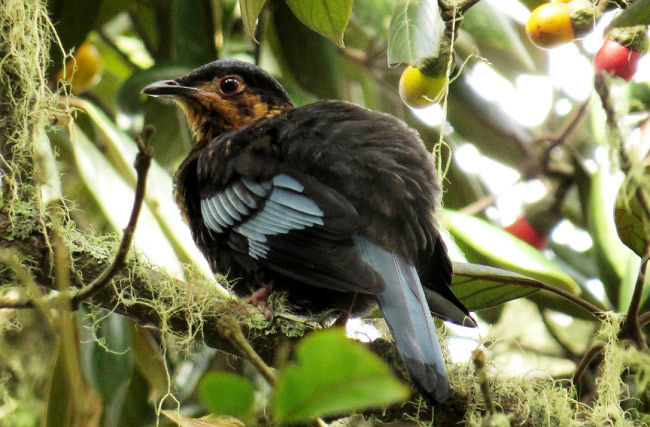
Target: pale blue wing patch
(244,194)
(295,201)
(236,202)
(209,217)
(221,212)
(286,209)
(228,207)
(259,188)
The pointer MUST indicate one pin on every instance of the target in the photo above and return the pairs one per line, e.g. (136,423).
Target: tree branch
(141,164)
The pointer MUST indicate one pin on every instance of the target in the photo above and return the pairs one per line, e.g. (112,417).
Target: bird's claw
(259,299)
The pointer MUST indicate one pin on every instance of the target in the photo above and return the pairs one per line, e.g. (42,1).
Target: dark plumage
(330,202)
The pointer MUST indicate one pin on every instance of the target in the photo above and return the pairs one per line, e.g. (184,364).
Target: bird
(330,203)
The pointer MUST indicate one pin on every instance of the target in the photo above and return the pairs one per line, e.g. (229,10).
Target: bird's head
(223,95)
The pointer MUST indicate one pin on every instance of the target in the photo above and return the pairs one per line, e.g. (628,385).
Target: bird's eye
(230,85)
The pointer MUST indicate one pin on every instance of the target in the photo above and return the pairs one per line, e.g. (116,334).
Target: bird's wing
(406,312)
(294,225)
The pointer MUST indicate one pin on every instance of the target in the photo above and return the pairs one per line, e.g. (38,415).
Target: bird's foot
(259,299)
(343,318)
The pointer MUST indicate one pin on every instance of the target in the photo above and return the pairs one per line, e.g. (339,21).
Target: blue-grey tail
(407,314)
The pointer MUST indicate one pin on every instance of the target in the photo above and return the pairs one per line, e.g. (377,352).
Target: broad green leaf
(158,197)
(637,13)
(227,394)
(494,34)
(132,406)
(303,54)
(70,400)
(115,197)
(632,224)
(613,256)
(415,31)
(149,360)
(105,348)
(486,244)
(250,10)
(333,375)
(193,32)
(326,17)
(207,421)
(480,286)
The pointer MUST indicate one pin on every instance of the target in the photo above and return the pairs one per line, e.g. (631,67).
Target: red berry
(616,60)
(522,229)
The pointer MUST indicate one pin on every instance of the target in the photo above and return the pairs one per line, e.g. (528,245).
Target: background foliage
(100,368)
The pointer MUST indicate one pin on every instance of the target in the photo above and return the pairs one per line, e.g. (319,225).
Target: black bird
(330,202)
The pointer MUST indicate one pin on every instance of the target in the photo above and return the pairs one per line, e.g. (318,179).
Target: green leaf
(326,17)
(613,256)
(632,224)
(415,31)
(637,13)
(486,244)
(70,400)
(227,394)
(149,360)
(250,10)
(333,375)
(134,406)
(105,348)
(193,32)
(303,54)
(480,286)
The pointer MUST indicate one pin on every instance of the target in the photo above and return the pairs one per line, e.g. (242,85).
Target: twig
(585,361)
(480,205)
(565,131)
(597,312)
(36,296)
(141,164)
(478,358)
(15,303)
(631,328)
(233,333)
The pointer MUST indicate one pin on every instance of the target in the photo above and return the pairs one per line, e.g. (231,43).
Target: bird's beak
(171,89)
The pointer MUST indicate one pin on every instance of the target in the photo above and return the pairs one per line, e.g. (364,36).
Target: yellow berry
(418,90)
(85,71)
(550,25)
